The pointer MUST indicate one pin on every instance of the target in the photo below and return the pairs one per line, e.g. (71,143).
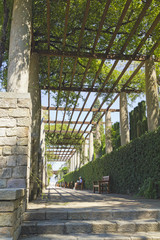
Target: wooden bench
(80,186)
(101,185)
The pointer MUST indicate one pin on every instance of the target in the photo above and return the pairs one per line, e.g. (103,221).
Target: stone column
(78,159)
(124,125)
(36,166)
(71,164)
(74,162)
(91,147)
(20,47)
(85,152)
(108,126)
(151,95)
(98,136)
(42,154)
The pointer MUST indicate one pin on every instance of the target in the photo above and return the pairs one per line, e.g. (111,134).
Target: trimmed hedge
(129,166)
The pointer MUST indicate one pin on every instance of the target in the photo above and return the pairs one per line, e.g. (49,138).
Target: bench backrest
(105,178)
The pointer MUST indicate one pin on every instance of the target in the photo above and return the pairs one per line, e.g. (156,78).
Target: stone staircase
(96,224)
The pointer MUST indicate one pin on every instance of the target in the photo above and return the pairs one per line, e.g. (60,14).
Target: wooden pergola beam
(67,122)
(102,56)
(61,131)
(79,109)
(85,89)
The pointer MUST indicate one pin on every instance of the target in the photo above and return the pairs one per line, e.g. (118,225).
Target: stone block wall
(15,120)
(12,207)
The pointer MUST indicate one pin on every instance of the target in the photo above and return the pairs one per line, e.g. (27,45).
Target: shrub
(129,166)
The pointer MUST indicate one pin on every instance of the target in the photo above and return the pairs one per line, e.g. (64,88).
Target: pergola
(81,52)
(75,36)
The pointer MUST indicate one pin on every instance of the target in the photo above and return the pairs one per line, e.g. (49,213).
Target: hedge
(129,166)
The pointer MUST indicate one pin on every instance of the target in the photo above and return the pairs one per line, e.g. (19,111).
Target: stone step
(96,227)
(92,215)
(110,236)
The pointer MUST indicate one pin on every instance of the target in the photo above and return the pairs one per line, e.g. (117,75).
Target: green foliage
(129,166)
(49,172)
(148,189)
(115,136)
(138,121)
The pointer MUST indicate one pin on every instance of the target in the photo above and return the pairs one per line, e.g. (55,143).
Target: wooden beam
(71,122)
(63,131)
(79,109)
(85,89)
(102,56)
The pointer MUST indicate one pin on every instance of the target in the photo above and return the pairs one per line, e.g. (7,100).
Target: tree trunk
(4,31)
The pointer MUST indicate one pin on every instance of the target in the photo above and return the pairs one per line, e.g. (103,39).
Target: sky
(115,116)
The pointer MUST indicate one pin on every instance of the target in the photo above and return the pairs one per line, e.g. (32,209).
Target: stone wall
(12,207)
(15,118)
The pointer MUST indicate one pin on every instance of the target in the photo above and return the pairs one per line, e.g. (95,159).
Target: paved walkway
(62,199)
(77,201)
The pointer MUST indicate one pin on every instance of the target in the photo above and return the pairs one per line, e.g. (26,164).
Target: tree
(5,20)
(49,172)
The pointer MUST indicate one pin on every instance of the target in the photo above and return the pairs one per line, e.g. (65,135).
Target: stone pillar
(91,147)
(98,139)
(85,152)
(124,125)
(15,121)
(71,164)
(36,166)
(151,95)
(74,162)
(98,136)
(108,126)
(42,154)
(12,208)
(78,159)
(20,47)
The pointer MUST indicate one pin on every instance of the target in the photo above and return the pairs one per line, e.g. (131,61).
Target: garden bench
(80,187)
(101,185)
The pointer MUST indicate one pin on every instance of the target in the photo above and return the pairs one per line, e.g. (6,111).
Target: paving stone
(28,216)
(29,228)
(56,215)
(147,226)
(78,227)
(49,227)
(126,226)
(104,227)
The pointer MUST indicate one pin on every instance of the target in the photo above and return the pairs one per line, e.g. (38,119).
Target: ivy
(132,167)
